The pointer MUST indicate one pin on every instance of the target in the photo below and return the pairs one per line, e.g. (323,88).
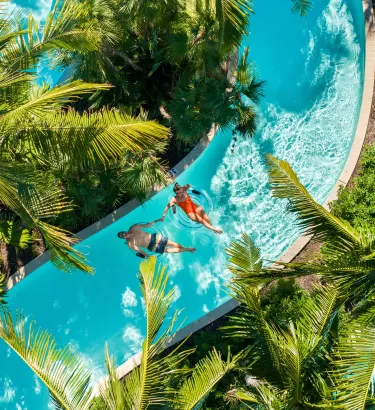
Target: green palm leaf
(302,7)
(141,175)
(149,384)
(233,15)
(262,396)
(3,289)
(45,102)
(354,362)
(35,201)
(312,217)
(318,311)
(287,358)
(81,138)
(244,257)
(12,233)
(63,372)
(66,27)
(207,373)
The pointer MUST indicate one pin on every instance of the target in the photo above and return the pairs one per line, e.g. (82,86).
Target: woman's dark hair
(176,185)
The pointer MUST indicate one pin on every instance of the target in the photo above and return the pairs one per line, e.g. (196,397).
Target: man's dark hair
(119,234)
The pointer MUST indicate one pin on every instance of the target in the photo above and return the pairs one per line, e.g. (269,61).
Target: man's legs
(174,247)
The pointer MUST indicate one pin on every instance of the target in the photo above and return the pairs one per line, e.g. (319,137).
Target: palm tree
(348,257)
(165,52)
(38,125)
(287,363)
(152,383)
(323,359)
(202,101)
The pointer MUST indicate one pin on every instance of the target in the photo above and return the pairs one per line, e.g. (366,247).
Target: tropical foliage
(176,59)
(40,132)
(321,359)
(281,304)
(356,203)
(69,379)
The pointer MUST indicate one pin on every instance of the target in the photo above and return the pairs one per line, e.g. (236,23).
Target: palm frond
(12,233)
(45,102)
(34,201)
(244,257)
(149,384)
(354,366)
(67,27)
(302,7)
(234,16)
(3,289)
(262,394)
(112,392)
(82,138)
(246,80)
(250,323)
(64,373)
(312,217)
(207,373)
(140,177)
(317,312)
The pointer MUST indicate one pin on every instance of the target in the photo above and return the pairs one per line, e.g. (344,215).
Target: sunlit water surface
(313,68)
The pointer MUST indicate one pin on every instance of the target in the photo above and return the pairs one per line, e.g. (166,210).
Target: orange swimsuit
(188,205)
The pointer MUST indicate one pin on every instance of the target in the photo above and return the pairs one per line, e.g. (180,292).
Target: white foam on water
(37,386)
(7,390)
(129,302)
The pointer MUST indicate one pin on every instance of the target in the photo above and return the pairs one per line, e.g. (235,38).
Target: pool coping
(301,241)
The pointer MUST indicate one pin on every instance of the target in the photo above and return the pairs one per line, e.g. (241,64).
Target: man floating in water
(136,239)
(193,211)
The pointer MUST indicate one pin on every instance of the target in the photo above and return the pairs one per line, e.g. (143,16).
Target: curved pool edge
(303,240)
(360,134)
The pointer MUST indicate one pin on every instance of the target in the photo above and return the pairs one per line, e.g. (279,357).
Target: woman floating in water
(193,211)
(136,239)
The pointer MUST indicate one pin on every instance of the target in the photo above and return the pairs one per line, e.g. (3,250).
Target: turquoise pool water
(314,73)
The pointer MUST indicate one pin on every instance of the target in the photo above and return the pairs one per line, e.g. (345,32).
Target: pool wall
(294,249)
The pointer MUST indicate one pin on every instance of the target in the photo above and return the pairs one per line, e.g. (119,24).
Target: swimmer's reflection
(136,239)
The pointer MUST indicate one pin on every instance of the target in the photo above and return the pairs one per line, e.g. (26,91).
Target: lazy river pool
(313,68)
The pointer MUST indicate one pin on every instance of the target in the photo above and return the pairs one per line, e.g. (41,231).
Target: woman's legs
(201,212)
(198,218)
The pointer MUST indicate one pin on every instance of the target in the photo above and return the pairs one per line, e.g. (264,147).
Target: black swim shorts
(157,243)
